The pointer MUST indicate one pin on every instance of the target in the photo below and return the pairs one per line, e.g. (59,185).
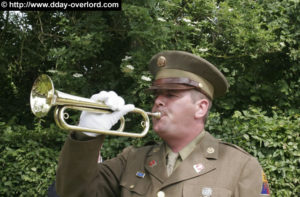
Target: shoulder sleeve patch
(265,186)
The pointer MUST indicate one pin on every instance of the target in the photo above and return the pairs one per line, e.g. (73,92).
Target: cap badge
(198,167)
(206,192)
(161,61)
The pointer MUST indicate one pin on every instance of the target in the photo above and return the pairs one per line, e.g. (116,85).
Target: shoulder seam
(236,147)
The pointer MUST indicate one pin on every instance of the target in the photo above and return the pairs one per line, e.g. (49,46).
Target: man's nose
(159,101)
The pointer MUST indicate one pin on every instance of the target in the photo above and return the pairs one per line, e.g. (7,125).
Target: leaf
(246,137)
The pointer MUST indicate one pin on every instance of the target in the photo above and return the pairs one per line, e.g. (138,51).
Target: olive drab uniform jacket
(213,169)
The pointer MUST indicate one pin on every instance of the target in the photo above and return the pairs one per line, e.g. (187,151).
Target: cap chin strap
(188,78)
(180,84)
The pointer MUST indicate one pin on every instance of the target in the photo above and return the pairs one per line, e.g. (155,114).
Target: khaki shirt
(213,168)
(187,150)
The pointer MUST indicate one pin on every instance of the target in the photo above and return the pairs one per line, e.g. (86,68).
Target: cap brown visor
(174,84)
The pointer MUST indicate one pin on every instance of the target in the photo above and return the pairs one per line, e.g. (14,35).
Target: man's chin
(158,129)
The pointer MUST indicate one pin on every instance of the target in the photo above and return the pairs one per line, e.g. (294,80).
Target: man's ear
(202,107)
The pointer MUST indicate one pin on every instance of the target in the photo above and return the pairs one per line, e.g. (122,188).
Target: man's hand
(105,121)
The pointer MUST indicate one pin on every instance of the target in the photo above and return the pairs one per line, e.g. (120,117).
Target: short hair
(197,95)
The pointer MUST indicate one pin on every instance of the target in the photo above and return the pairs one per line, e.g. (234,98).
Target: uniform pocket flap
(190,190)
(135,184)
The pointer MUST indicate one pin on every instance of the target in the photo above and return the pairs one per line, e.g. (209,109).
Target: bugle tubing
(43,97)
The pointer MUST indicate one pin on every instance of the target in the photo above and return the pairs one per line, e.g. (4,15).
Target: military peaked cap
(183,70)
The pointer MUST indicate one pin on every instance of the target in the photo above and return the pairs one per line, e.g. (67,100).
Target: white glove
(102,121)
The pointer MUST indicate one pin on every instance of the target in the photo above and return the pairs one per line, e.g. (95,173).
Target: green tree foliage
(28,159)
(254,43)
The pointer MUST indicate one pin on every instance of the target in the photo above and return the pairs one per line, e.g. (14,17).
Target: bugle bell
(43,96)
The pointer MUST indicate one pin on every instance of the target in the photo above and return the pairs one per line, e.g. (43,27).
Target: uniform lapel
(156,163)
(201,161)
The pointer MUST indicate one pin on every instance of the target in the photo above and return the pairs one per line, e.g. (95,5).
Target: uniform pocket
(135,186)
(191,190)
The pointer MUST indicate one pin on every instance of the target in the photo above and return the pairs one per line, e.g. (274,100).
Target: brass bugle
(43,97)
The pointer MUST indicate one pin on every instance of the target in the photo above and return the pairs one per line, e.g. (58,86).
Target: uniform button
(200,85)
(161,194)
(210,150)
(131,186)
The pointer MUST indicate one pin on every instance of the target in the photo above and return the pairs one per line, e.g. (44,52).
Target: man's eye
(171,95)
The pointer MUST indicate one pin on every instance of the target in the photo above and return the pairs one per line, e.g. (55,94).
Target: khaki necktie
(172,157)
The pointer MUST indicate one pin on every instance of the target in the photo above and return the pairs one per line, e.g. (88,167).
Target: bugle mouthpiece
(154,114)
